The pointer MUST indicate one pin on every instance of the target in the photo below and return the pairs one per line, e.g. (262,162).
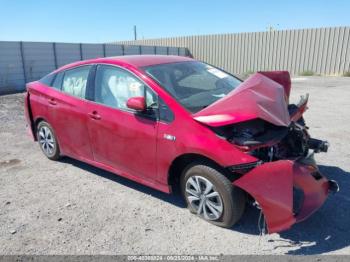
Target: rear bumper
(27,113)
(272,185)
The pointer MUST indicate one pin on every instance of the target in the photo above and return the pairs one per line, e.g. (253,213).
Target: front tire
(210,195)
(48,141)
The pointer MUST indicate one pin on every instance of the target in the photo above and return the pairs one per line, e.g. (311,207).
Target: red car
(173,122)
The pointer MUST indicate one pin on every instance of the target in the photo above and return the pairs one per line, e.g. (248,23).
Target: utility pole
(135,33)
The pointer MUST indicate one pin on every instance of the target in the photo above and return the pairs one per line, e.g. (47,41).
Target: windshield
(195,85)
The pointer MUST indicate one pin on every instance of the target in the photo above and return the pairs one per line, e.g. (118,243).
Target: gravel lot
(69,207)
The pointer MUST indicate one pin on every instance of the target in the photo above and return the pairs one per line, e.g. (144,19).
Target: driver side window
(114,86)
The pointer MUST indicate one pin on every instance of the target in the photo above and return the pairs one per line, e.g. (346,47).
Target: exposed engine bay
(268,142)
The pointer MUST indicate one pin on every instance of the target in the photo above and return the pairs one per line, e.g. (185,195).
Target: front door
(120,137)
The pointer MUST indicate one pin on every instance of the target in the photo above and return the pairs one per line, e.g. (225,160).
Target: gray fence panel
(161,50)
(90,51)
(345,54)
(306,53)
(338,50)
(38,59)
(114,50)
(11,67)
(279,51)
(325,50)
(321,50)
(182,51)
(132,50)
(67,53)
(173,51)
(148,50)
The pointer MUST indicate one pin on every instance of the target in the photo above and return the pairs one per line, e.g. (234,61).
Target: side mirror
(137,103)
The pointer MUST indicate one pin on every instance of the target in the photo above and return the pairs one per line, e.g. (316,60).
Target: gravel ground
(69,207)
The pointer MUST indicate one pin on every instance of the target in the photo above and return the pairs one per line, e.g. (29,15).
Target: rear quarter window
(57,83)
(48,79)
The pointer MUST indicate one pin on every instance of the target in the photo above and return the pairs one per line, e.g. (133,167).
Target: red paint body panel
(122,140)
(315,190)
(67,115)
(194,139)
(257,97)
(271,185)
(281,77)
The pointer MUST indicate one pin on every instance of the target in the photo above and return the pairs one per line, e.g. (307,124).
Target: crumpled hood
(257,97)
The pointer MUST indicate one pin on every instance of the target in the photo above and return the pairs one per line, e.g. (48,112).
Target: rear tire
(47,141)
(210,195)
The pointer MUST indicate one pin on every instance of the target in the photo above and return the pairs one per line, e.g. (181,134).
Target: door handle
(52,101)
(94,115)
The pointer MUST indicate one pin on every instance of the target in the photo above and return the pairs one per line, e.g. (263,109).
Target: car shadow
(327,230)
(174,199)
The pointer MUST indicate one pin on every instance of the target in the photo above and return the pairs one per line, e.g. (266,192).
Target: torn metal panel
(271,185)
(273,190)
(257,97)
(281,77)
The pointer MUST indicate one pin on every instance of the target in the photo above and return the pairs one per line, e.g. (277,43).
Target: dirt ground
(69,207)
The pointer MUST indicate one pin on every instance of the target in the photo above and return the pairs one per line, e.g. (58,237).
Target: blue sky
(111,20)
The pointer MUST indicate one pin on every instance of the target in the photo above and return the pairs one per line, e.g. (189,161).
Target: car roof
(148,60)
(132,60)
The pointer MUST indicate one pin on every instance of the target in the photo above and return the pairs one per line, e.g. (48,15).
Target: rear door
(67,111)
(120,137)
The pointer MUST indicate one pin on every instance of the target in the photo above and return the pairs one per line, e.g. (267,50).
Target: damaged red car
(172,122)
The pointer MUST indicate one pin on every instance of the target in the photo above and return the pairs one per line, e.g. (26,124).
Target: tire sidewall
(225,191)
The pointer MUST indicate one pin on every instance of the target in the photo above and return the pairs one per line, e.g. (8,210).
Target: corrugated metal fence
(22,62)
(323,51)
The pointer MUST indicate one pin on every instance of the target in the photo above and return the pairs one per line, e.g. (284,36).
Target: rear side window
(75,81)
(47,80)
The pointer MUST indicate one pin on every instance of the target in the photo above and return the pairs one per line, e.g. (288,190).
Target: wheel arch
(34,124)
(37,120)
(180,163)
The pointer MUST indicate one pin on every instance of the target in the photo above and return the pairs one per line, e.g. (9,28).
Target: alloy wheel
(203,198)
(46,140)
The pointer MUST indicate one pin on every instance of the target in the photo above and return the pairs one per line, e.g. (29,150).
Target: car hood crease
(257,97)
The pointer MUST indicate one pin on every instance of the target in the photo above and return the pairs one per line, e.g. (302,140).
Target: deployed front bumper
(272,185)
